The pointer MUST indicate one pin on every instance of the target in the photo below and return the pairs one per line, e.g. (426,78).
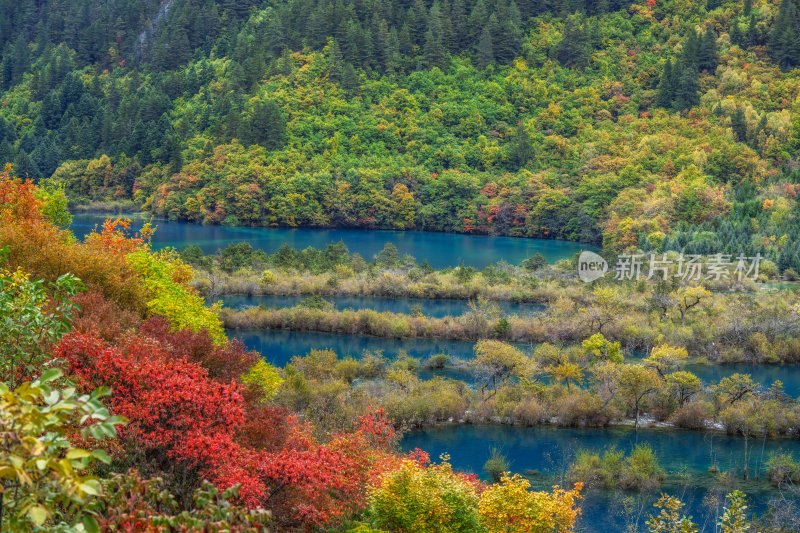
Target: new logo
(591,266)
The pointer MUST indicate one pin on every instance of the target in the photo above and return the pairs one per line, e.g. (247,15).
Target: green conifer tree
(707,59)
(666,86)
(485,49)
(739,125)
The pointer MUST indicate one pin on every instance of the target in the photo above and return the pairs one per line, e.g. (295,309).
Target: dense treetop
(660,124)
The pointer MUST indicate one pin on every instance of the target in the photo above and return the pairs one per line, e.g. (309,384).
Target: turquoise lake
(546,450)
(549,450)
(278,347)
(439,249)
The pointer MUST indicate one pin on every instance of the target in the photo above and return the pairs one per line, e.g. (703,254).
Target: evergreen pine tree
(573,50)
(25,167)
(174,154)
(739,125)
(736,33)
(368,51)
(394,62)
(458,22)
(433,55)
(350,79)
(485,49)
(691,50)
(748,6)
(784,42)
(335,60)
(514,14)
(522,148)
(687,87)
(20,61)
(265,126)
(433,52)
(666,88)
(447,38)
(762,124)
(476,23)
(506,36)
(751,37)
(417,18)
(707,59)
(287,65)
(406,45)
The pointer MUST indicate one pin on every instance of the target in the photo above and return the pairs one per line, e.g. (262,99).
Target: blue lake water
(430,308)
(278,347)
(549,450)
(439,249)
(765,375)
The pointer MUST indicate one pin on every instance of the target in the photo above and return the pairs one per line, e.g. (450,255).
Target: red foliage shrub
(320,484)
(182,419)
(265,426)
(176,413)
(225,362)
(102,317)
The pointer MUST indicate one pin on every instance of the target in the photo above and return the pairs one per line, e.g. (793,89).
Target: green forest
(665,125)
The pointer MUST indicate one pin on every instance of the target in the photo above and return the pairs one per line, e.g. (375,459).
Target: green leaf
(90,524)
(101,392)
(101,455)
(91,487)
(49,375)
(38,514)
(77,453)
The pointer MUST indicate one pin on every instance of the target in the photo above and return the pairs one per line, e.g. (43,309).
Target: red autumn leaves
(184,421)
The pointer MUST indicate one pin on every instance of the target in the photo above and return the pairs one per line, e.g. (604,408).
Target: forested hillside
(665,124)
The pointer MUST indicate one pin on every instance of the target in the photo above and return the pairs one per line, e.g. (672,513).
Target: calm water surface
(430,308)
(549,450)
(278,347)
(765,375)
(439,249)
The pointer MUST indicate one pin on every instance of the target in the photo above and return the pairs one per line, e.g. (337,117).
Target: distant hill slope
(657,125)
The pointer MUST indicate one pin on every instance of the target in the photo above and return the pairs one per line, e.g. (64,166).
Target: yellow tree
(665,358)
(494,363)
(264,378)
(510,507)
(605,308)
(567,372)
(685,384)
(416,499)
(403,207)
(636,382)
(734,388)
(42,476)
(688,298)
(734,519)
(601,348)
(670,519)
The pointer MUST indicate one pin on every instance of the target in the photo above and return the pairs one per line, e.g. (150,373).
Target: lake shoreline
(100,208)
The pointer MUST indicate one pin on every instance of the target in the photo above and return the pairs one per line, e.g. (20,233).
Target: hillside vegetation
(660,125)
